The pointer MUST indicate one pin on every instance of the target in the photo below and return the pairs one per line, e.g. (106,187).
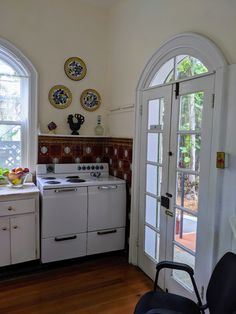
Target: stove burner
(75,180)
(48,178)
(72,177)
(53,182)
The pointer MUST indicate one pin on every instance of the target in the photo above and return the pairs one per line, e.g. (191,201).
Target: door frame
(207,52)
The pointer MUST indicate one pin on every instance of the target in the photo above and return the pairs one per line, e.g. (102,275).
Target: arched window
(177,68)
(18,117)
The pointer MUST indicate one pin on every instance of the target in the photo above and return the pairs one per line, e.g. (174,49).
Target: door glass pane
(152,211)
(187,190)
(182,256)
(190,116)
(189,151)
(10,146)
(151,183)
(155,114)
(187,66)
(185,229)
(150,242)
(154,147)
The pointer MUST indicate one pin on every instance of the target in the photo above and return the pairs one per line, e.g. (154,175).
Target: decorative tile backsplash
(115,151)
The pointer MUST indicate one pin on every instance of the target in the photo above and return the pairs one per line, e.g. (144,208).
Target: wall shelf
(74,136)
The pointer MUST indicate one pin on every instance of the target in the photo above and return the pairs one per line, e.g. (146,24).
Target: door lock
(165,202)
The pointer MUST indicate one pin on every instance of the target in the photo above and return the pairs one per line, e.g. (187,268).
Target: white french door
(174,163)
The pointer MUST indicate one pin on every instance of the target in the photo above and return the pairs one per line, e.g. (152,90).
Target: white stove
(83,210)
(58,176)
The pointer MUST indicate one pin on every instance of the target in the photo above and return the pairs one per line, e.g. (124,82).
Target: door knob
(15,227)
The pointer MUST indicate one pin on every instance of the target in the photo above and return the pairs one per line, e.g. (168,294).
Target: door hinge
(176,90)
(141,109)
(213,101)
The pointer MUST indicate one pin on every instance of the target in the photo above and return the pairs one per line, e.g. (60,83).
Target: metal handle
(106,232)
(10,208)
(65,238)
(169,213)
(107,187)
(4,228)
(65,190)
(15,227)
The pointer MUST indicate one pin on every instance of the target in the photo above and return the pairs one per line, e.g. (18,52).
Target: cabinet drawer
(106,240)
(17,207)
(63,247)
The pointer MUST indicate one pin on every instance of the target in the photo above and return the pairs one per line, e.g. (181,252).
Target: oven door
(64,211)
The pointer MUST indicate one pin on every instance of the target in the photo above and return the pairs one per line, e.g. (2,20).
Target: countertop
(6,190)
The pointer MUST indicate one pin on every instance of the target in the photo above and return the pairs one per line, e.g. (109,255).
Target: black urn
(75,121)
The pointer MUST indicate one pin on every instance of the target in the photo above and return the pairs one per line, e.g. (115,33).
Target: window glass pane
(164,74)
(6,68)
(155,114)
(182,256)
(10,146)
(187,191)
(187,66)
(154,147)
(152,211)
(150,242)
(185,229)
(189,151)
(10,98)
(190,117)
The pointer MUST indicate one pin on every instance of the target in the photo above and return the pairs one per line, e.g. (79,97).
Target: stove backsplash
(116,151)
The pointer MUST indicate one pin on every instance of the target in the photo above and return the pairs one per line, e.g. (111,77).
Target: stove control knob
(92,167)
(88,167)
(97,167)
(83,168)
(79,168)
(101,167)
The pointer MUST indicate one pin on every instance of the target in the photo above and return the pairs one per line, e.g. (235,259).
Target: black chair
(220,294)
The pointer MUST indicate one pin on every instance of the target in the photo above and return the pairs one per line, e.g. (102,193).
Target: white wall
(138,28)
(50,31)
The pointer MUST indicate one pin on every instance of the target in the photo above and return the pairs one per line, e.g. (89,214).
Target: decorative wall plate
(90,99)
(60,96)
(75,68)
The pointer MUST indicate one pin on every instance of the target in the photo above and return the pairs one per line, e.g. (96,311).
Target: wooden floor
(103,285)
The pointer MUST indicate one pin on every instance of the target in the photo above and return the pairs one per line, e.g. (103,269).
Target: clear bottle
(99,129)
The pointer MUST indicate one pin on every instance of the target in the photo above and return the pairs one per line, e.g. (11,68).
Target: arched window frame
(23,66)
(211,56)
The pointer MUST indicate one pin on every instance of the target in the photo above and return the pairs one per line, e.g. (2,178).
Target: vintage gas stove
(83,210)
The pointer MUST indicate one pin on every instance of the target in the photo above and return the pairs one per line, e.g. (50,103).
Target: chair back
(221,290)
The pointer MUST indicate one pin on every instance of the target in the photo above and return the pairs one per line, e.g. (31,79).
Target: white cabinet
(19,225)
(106,218)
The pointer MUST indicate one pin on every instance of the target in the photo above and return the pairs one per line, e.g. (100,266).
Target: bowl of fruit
(17,176)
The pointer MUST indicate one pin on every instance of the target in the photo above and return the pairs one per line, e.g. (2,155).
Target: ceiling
(101,3)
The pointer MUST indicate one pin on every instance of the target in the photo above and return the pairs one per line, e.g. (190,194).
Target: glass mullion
(184,248)
(186,210)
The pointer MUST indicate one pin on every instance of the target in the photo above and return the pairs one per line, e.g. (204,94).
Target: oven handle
(107,187)
(106,232)
(65,190)
(65,238)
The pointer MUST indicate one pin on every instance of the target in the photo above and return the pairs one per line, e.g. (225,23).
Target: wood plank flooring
(107,285)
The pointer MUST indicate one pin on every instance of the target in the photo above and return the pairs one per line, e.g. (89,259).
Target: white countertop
(6,190)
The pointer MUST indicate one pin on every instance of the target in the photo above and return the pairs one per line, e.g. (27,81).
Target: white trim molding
(13,56)
(211,56)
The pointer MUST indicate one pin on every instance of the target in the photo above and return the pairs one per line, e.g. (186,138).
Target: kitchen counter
(28,188)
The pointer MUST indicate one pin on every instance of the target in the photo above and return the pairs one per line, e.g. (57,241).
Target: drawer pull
(107,187)
(65,238)
(65,190)
(4,228)
(106,232)
(10,208)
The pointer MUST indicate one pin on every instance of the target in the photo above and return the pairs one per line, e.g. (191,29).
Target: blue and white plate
(75,68)
(60,96)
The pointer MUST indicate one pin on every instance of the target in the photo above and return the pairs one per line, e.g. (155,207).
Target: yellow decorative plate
(90,99)
(75,68)
(60,96)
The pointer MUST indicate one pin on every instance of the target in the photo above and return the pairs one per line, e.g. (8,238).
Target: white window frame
(23,66)
(211,56)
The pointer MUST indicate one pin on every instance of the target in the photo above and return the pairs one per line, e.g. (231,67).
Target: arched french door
(175,164)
